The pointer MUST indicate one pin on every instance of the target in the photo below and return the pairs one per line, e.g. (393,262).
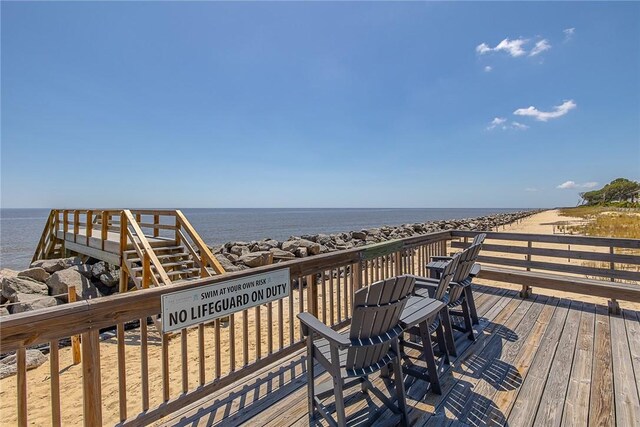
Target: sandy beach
(38,386)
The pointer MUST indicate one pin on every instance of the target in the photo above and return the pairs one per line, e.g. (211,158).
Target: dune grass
(605,222)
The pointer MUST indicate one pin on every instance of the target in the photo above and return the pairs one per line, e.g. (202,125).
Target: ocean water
(20,229)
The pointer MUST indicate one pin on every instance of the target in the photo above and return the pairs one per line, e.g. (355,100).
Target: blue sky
(317,105)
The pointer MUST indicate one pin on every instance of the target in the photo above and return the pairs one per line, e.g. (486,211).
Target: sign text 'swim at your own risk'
(205,303)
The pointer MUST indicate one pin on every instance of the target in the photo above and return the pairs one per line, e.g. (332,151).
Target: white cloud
(530,189)
(512,47)
(498,121)
(488,68)
(540,47)
(543,116)
(501,122)
(568,33)
(567,184)
(572,184)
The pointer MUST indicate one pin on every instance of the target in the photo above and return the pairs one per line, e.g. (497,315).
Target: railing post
(156,221)
(177,230)
(91,385)
(312,296)
(75,340)
(21,366)
(105,228)
(146,271)
(76,225)
(526,289)
(89,222)
(398,262)
(65,230)
(356,271)
(124,277)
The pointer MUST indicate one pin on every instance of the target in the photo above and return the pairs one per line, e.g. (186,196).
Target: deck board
(540,361)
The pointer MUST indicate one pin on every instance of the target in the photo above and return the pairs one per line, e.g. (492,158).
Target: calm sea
(20,229)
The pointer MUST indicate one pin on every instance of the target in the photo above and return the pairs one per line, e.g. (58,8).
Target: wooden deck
(536,362)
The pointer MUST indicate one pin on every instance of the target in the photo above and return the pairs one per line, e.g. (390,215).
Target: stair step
(156,249)
(171,264)
(161,257)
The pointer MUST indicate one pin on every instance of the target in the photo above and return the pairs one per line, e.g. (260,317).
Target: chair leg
(430,358)
(467,320)
(468,295)
(442,345)
(339,394)
(310,379)
(400,392)
(448,331)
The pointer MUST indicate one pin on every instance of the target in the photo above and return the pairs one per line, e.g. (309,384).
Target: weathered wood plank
(626,393)
(576,404)
(632,321)
(555,389)
(602,406)
(503,400)
(524,408)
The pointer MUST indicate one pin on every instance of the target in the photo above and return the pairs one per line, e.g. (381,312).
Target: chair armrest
(441,258)
(311,324)
(475,270)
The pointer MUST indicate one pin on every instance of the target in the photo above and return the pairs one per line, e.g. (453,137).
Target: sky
(290,104)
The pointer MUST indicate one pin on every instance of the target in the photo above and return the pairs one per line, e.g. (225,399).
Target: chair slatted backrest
(377,310)
(467,259)
(479,239)
(446,276)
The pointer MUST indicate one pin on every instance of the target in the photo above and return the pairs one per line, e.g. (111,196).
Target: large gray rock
(6,272)
(8,365)
(99,268)
(29,302)
(239,250)
(255,259)
(53,265)
(226,263)
(291,245)
(14,285)
(360,235)
(110,279)
(279,254)
(60,281)
(35,273)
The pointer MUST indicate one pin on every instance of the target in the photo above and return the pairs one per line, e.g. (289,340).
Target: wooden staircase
(175,260)
(152,247)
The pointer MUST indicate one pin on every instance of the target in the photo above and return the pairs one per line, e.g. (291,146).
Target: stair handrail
(146,247)
(205,254)
(46,231)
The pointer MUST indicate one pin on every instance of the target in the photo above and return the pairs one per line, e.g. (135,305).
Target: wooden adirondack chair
(370,345)
(437,323)
(473,272)
(459,289)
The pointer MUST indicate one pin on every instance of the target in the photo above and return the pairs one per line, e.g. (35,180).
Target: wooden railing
(223,353)
(204,358)
(596,257)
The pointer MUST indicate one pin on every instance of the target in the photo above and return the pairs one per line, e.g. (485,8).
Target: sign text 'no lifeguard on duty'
(202,304)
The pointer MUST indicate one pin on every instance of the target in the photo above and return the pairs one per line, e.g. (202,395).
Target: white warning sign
(205,303)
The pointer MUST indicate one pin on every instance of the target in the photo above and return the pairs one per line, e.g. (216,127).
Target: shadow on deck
(538,361)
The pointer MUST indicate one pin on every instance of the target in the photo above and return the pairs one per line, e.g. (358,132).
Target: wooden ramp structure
(152,247)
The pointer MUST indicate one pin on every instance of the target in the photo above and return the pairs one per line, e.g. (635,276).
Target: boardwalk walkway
(540,361)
